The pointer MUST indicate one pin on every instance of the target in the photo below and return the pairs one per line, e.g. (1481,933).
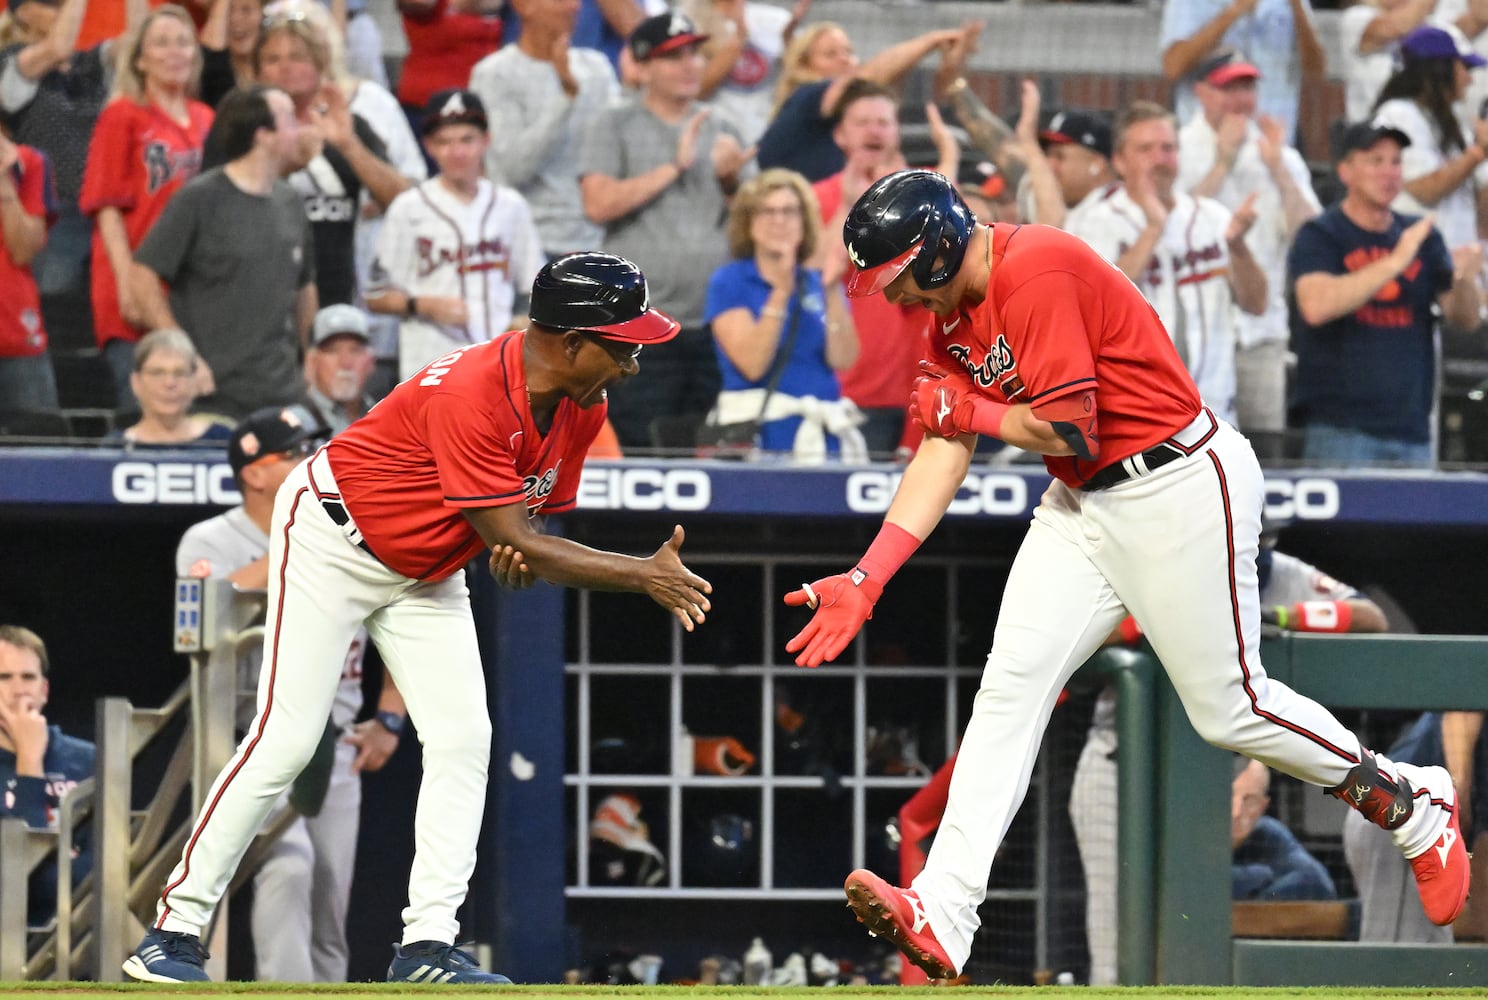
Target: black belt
(1155,458)
(337,513)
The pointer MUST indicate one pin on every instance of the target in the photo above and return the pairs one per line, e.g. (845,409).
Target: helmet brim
(651,327)
(864,281)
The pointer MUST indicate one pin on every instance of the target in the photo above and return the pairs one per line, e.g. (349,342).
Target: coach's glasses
(621,353)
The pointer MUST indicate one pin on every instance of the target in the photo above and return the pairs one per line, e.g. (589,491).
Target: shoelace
(451,956)
(184,946)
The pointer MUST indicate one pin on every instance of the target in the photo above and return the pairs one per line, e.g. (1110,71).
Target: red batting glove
(947,405)
(842,606)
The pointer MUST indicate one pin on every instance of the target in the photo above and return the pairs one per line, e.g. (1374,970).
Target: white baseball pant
(322,588)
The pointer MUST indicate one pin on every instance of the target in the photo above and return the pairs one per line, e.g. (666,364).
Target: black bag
(737,440)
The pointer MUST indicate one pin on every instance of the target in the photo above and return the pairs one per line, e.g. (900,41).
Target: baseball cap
(661,34)
(602,293)
(1363,135)
(271,431)
(1224,65)
(982,178)
(455,106)
(1079,128)
(337,320)
(1428,42)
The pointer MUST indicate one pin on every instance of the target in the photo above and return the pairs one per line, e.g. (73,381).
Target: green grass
(290,991)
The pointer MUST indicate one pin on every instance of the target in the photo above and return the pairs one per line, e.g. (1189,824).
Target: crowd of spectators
(151,180)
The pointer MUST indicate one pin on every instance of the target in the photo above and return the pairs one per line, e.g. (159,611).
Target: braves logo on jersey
(489,254)
(537,488)
(996,367)
(163,164)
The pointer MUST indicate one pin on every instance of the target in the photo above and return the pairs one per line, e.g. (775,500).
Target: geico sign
(175,482)
(1304,499)
(645,489)
(1001,494)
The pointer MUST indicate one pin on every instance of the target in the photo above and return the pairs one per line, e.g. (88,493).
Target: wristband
(1129,630)
(391,721)
(890,549)
(1318,616)
(986,416)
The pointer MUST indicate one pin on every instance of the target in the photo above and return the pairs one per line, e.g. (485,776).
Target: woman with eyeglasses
(164,382)
(769,312)
(148,142)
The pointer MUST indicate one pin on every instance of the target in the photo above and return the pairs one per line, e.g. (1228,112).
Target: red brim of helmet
(650,327)
(862,282)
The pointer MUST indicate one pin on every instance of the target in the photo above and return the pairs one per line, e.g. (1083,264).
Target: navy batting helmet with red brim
(911,219)
(601,293)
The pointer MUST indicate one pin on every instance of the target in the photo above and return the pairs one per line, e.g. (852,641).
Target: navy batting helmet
(601,293)
(909,218)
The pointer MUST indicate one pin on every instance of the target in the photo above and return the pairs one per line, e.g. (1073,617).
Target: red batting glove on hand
(842,606)
(947,405)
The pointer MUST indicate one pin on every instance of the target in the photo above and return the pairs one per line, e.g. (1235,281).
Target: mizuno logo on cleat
(1444,849)
(918,909)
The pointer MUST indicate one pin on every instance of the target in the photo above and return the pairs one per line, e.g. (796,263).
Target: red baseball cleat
(1442,871)
(898,915)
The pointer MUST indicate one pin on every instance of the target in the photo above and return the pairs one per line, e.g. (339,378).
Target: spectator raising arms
(745,43)
(148,143)
(227,42)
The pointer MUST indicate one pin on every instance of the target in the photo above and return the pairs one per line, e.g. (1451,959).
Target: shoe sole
(135,969)
(874,914)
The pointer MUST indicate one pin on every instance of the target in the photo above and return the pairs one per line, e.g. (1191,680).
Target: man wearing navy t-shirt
(1363,283)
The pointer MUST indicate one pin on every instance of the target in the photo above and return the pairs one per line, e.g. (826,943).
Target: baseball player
(374,530)
(1154,510)
(1294,595)
(302,890)
(454,250)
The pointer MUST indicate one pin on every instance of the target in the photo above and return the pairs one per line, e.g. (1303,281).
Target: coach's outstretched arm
(517,546)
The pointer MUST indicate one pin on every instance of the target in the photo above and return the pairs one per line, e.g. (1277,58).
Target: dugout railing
(1173,817)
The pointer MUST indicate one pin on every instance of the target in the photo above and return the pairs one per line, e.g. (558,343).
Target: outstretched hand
(675,587)
(841,609)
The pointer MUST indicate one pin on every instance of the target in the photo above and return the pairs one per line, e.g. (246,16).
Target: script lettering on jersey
(537,488)
(489,254)
(997,363)
(1385,309)
(162,165)
(437,369)
(1190,267)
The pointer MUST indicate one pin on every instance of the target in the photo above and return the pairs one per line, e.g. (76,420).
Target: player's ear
(573,343)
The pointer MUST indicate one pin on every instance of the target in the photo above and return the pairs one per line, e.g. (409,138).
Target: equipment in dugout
(620,848)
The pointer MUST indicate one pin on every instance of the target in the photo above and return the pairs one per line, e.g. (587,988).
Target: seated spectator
(818,65)
(337,366)
(297,53)
(52,88)
(1439,162)
(27,205)
(164,381)
(39,764)
(543,95)
(1268,862)
(234,248)
(768,311)
(745,42)
(148,142)
(1364,281)
(446,38)
(457,252)
(227,41)
(1187,255)
(656,172)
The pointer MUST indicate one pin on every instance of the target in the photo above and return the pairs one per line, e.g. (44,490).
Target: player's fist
(843,603)
(947,404)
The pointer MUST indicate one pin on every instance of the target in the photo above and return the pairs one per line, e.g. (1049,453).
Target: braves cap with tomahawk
(656,36)
(453,107)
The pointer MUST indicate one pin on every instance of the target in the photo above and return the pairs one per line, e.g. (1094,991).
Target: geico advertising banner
(33,477)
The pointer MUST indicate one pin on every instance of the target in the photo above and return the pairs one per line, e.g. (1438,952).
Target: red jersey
(137,159)
(22,334)
(443,47)
(890,338)
(457,435)
(1058,319)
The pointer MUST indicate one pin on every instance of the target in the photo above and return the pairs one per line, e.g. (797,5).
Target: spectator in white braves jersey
(303,887)
(1187,255)
(542,95)
(455,251)
(1229,153)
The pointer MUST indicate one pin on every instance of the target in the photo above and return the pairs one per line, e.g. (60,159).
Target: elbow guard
(1073,418)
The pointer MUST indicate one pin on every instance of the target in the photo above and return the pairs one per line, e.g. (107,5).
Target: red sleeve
(829,199)
(566,490)
(1044,319)
(111,178)
(36,191)
(474,456)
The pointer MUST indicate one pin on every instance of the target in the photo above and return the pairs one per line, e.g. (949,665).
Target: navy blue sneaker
(168,957)
(437,962)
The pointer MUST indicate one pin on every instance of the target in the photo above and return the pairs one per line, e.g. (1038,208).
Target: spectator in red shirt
(446,38)
(148,142)
(27,206)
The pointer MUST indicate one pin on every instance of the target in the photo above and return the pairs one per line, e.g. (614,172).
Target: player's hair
(793,70)
(168,341)
(128,80)
(23,638)
(1429,84)
(861,90)
(747,202)
(1136,113)
(240,114)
